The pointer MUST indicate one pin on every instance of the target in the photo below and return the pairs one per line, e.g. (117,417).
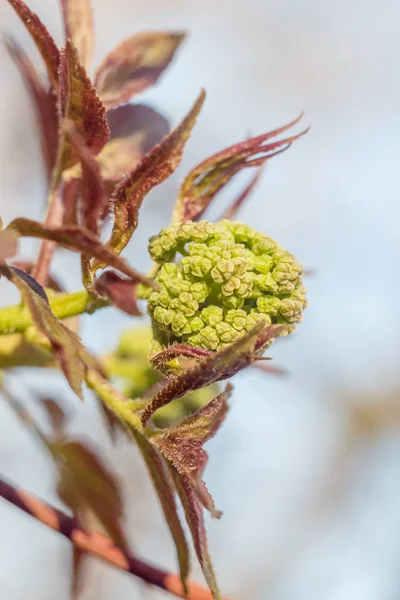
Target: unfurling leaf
(153,169)
(220,365)
(205,180)
(44,102)
(8,245)
(134,65)
(182,444)
(78,25)
(78,240)
(166,493)
(86,484)
(65,344)
(80,104)
(119,291)
(195,519)
(43,40)
(236,205)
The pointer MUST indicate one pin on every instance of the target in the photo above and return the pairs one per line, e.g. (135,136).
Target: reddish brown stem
(99,545)
(54,218)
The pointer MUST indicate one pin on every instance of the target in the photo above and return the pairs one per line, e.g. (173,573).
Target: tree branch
(99,545)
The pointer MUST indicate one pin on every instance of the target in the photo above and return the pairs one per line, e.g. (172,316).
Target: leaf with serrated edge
(78,25)
(119,291)
(66,345)
(218,366)
(78,240)
(44,102)
(195,519)
(43,40)
(166,493)
(134,65)
(153,169)
(204,181)
(88,484)
(182,444)
(80,104)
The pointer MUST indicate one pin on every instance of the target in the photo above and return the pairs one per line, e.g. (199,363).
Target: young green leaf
(44,102)
(78,25)
(155,167)
(205,180)
(134,65)
(43,40)
(65,344)
(164,487)
(80,104)
(182,444)
(220,365)
(78,240)
(195,519)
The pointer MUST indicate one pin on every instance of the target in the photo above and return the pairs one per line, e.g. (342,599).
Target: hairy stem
(99,545)
(17,318)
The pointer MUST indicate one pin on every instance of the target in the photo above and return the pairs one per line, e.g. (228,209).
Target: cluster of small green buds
(215,281)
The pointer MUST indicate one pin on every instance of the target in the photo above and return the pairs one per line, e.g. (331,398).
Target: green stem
(16,319)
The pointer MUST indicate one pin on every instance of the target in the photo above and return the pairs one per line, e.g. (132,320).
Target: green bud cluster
(215,281)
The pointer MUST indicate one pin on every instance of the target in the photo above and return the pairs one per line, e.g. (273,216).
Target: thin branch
(99,545)
(54,218)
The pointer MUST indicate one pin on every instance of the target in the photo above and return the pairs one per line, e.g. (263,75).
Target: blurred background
(307,466)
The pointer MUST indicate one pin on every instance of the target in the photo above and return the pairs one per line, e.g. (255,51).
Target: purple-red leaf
(80,104)
(78,25)
(44,102)
(119,291)
(205,180)
(182,444)
(86,484)
(195,519)
(153,169)
(94,202)
(220,365)
(166,493)
(43,40)
(134,65)
(65,344)
(78,240)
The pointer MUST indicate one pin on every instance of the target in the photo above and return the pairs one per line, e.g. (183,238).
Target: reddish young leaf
(220,365)
(43,40)
(195,519)
(80,104)
(94,201)
(78,25)
(65,344)
(134,130)
(119,291)
(44,102)
(78,240)
(205,180)
(153,169)
(134,65)
(236,205)
(8,245)
(182,444)
(87,484)
(58,415)
(164,487)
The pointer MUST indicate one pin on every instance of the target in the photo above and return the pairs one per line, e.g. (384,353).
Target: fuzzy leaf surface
(210,176)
